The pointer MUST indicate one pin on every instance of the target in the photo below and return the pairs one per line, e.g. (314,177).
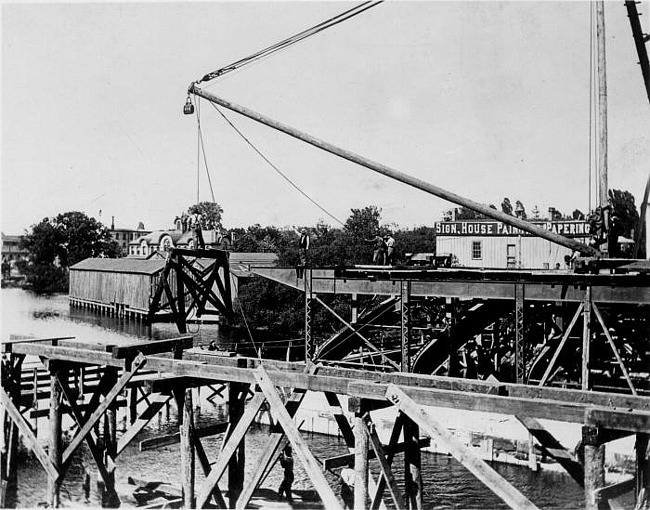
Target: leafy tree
(55,244)
(211,213)
(624,219)
(364,223)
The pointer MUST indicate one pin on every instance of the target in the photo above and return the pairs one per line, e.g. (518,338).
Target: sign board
(496,228)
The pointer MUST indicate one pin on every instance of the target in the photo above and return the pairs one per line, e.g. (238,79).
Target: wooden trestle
(170,371)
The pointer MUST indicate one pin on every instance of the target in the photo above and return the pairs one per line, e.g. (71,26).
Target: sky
(484,99)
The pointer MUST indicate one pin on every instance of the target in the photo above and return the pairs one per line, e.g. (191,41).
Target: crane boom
(399,176)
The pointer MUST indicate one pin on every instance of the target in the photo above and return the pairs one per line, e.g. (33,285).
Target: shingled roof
(123,265)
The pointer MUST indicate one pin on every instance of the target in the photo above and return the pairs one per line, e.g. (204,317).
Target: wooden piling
(412,465)
(236,398)
(360,462)
(187,450)
(642,468)
(55,451)
(594,463)
(133,405)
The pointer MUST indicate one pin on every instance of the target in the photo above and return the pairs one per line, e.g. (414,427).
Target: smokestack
(112,222)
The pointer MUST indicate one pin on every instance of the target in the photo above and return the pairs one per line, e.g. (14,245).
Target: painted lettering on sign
(495,228)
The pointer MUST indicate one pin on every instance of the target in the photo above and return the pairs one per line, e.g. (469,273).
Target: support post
(450,316)
(187,451)
(405,325)
(236,395)
(133,405)
(180,292)
(412,465)
(603,195)
(354,305)
(55,450)
(309,346)
(642,469)
(594,462)
(586,338)
(360,462)
(520,345)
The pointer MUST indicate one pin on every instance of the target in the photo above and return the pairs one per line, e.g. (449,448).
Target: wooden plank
(309,463)
(8,345)
(168,439)
(28,435)
(615,490)
(138,362)
(69,354)
(630,420)
(153,346)
(568,410)
(229,449)
(492,480)
(387,472)
(54,438)
(157,401)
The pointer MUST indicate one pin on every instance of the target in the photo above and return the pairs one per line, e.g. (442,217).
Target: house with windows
(12,253)
(492,244)
(124,236)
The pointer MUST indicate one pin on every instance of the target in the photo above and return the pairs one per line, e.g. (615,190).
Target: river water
(447,484)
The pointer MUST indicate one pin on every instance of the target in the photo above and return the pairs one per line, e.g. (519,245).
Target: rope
(284,176)
(291,40)
(250,334)
(205,159)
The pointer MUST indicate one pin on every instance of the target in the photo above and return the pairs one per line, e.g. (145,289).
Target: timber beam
(474,284)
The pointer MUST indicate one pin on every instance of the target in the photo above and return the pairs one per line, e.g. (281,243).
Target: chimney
(112,222)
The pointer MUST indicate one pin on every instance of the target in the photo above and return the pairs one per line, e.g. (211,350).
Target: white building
(492,244)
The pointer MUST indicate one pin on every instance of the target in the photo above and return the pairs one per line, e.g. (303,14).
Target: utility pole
(603,198)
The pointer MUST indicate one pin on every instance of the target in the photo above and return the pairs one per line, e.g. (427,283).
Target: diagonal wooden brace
(394,438)
(386,471)
(272,450)
(301,448)
(29,436)
(490,478)
(554,448)
(138,362)
(158,400)
(229,449)
(94,449)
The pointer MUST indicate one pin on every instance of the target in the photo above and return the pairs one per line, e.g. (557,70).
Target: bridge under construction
(595,376)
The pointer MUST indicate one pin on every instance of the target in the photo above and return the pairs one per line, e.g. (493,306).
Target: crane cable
(282,174)
(291,40)
(201,145)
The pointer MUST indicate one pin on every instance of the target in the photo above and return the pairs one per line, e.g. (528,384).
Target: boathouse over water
(127,286)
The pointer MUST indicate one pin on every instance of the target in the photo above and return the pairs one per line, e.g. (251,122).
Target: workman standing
(379,255)
(197,232)
(286,461)
(303,247)
(390,249)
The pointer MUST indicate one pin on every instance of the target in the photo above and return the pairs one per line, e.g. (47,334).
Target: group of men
(384,249)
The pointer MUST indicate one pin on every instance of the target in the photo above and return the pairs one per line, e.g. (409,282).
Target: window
(511,258)
(477,252)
